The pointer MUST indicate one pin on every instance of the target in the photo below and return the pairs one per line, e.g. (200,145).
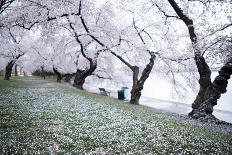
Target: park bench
(104,92)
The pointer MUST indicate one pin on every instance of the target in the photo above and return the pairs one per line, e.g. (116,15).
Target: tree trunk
(21,71)
(213,93)
(16,70)
(136,89)
(80,76)
(9,68)
(136,94)
(209,92)
(68,77)
(138,84)
(58,74)
(204,81)
(43,72)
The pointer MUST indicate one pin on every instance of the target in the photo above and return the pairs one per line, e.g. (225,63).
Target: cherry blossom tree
(209,91)
(14,45)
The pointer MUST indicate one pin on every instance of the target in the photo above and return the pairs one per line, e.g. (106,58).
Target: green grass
(14,81)
(40,117)
(168,124)
(17,81)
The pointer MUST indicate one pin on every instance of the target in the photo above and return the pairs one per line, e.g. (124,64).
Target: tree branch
(102,77)
(220,29)
(4,4)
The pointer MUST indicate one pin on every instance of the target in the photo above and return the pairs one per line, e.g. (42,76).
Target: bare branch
(39,53)
(79,41)
(164,13)
(101,77)
(139,33)
(4,4)
(13,37)
(220,29)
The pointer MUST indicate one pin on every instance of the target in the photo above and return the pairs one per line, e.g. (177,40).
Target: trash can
(125,93)
(121,95)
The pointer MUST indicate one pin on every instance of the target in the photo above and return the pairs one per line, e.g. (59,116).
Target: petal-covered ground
(43,117)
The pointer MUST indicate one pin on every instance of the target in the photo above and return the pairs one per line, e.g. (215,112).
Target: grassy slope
(66,120)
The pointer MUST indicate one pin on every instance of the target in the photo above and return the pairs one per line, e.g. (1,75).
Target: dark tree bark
(209,92)
(213,93)
(10,65)
(81,76)
(58,74)
(139,83)
(136,89)
(8,69)
(43,72)
(4,4)
(68,77)
(16,70)
(204,81)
